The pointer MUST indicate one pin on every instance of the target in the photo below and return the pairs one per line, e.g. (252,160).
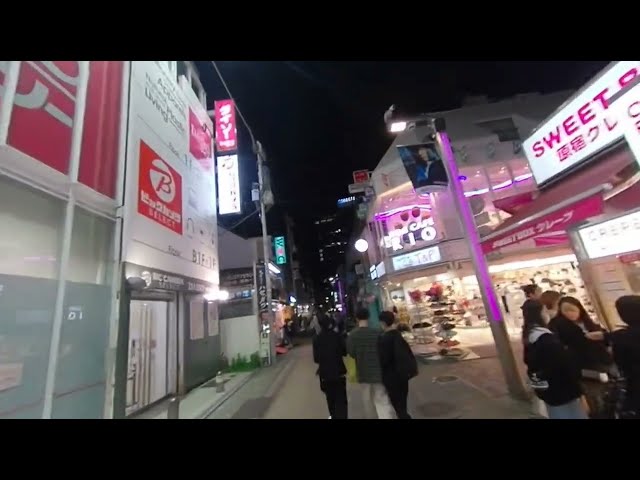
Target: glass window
(80,377)
(30,243)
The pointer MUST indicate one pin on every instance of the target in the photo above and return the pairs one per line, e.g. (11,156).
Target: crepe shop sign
(410,234)
(585,126)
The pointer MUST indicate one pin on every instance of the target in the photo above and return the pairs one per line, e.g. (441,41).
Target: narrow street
(290,390)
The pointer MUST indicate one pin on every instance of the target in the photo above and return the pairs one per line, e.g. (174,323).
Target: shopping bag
(350,364)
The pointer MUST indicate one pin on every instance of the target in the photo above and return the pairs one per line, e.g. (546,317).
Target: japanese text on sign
(225,118)
(585,126)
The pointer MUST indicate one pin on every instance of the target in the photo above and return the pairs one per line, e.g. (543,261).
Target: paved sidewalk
(252,399)
(439,392)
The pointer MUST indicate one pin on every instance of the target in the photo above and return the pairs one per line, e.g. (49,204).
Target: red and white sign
(557,221)
(199,139)
(361,176)
(627,109)
(159,190)
(225,120)
(43,113)
(583,127)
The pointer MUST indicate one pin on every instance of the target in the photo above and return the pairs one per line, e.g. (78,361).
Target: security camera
(136,283)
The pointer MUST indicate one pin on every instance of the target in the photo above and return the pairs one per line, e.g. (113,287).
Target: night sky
(319,121)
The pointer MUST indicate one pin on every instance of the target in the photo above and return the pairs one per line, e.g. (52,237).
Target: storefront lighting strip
(482,191)
(500,186)
(537,263)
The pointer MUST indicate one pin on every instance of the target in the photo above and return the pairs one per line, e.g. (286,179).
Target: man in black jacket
(329,350)
(398,364)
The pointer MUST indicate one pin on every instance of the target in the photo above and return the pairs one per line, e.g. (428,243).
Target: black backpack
(406,364)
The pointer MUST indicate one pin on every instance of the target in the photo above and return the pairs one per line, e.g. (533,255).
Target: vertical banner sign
(228,185)
(226,133)
(280,250)
(264,323)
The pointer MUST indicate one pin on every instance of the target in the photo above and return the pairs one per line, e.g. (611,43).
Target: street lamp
(436,127)
(361,245)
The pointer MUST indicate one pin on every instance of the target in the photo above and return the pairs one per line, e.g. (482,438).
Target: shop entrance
(152,356)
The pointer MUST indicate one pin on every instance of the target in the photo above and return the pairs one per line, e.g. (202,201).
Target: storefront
(570,235)
(168,337)
(59,191)
(428,278)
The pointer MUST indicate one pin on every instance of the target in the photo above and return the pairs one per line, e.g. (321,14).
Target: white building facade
(111,241)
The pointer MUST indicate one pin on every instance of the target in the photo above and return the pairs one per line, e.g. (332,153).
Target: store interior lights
(211,295)
(273,269)
(537,263)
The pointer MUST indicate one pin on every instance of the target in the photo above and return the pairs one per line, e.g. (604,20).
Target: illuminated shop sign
(380,269)
(426,256)
(613,237)
(586,125)
(346,201)
(281,253)
(410,234)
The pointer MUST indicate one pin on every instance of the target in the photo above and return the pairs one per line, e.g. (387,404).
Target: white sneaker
(329,417)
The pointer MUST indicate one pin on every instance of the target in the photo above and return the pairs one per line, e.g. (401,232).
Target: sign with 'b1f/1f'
(281,253)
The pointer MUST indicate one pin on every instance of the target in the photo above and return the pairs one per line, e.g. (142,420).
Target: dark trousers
(335,392)
(398,391)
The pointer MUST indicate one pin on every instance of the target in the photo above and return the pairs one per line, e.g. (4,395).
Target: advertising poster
(196,320)
(170,219)
(424,167)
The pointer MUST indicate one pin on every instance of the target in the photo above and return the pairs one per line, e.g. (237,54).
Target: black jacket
(546,357)
(589,354)
(397,361)
(626,353)
(329,348)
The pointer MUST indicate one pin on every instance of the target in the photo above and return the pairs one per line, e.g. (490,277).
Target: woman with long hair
(581,335)
(553,375)
(587,342)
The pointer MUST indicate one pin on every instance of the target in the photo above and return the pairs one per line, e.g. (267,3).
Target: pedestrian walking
(329,350)
(362,345)
(398,364)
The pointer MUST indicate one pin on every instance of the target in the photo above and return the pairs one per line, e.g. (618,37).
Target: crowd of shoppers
(575,367)
(384,364)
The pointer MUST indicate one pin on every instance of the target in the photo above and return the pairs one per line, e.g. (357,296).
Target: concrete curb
(208,411)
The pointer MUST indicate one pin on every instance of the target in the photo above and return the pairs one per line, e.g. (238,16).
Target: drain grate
(445,379)
(438,409)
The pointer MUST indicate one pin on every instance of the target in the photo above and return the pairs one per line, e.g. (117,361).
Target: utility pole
(259,151)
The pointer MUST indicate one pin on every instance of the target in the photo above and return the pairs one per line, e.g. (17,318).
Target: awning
(550,213)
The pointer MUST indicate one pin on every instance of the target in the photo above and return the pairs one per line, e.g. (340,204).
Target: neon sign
(281,254)
(410,234)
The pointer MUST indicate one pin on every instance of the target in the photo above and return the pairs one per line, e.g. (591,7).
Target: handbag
(350,365)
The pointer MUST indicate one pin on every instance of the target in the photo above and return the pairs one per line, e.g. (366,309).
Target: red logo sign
(361,176)
(199,138)
(226,134)
(159,190)
(43,112)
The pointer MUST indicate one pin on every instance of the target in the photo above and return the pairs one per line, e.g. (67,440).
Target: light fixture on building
(362,245)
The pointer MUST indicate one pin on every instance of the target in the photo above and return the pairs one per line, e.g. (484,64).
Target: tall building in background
(332,232)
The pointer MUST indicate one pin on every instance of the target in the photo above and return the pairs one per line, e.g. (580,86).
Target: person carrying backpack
(398,364)
(554,376)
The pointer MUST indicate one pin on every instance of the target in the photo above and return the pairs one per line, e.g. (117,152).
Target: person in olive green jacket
(362,345)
